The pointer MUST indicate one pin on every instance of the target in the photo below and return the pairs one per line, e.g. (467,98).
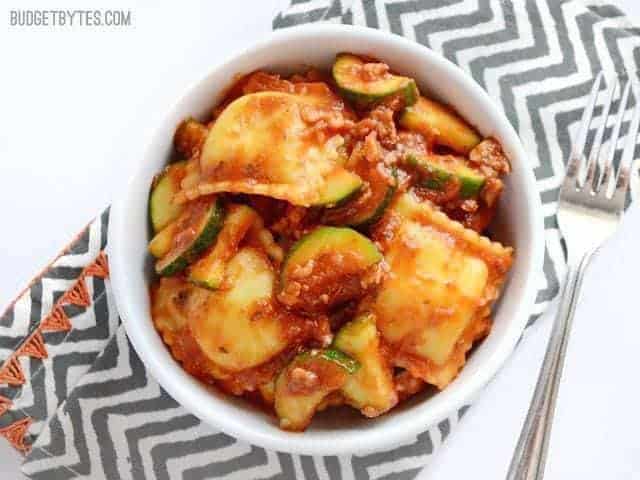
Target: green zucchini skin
(360,216)
(296,409)
(161,209)
(340,187)
(326,239)
(208,271)
(440,123)
(371,389)
(210,225)
(345,361)
(365,94)
(161,243)
(325,268)
(438,173)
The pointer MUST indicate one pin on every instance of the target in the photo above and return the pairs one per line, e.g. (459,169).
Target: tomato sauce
(334,287)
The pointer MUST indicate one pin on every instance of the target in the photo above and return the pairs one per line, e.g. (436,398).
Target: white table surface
(75,110)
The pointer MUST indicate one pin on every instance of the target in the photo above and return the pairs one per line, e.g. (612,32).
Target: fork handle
(530,455)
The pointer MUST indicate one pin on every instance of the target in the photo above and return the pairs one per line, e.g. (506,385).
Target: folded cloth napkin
(76,400)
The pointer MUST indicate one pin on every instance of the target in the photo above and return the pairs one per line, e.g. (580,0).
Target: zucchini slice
(162,242)
(196,229)
(306,382)
(370,203)
(340,186)
(440,123)
(364,89)
(236,327)
(162,209)
(208,271)
(371,388)
(262,145)
(438,170)
(327,267)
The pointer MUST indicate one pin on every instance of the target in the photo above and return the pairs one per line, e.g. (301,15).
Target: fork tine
(624,169)
(592,164)
(607,166)
(573,167)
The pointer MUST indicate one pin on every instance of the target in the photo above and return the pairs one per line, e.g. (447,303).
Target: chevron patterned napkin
(76,400)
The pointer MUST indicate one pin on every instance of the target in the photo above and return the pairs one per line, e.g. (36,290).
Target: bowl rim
(225,417)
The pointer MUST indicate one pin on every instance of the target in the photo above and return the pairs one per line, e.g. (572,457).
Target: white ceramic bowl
(335,432)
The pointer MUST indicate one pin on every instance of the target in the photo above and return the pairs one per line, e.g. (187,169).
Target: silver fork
(589,211)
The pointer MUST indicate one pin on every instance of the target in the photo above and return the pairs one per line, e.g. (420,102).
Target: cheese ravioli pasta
(320,241)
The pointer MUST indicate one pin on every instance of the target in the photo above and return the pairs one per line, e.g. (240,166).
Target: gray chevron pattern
(118,412)
(111,421)
(51,379)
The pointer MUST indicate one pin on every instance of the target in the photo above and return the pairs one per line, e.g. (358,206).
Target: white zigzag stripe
(297,466)
(383,21)
(73,373)
(522,92)
(578,103)
(346,470)
(333,20)
(89,405)
(305,7)
(49,287)
(495,24)
(120,371)
(411,19)
(82,259)
(603,53)
(557,161)
(147,443)
(69,457)
(406,463)
(552,237)
(117,425)
(626,47)
(523,40)
(175,466)
(20,325)
(321,468)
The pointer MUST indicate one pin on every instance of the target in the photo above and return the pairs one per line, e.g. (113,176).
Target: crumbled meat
(469,205)
(302,380)
(489,158)
(292,222)
(289,296)
(332,119)
(372,150)
(491,191)
(380,120)
(304,270)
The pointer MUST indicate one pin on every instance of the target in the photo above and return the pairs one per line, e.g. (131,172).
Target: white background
(76,107)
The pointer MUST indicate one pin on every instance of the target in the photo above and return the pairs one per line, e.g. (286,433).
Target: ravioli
(263,143)
(235,326)
(443,279)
